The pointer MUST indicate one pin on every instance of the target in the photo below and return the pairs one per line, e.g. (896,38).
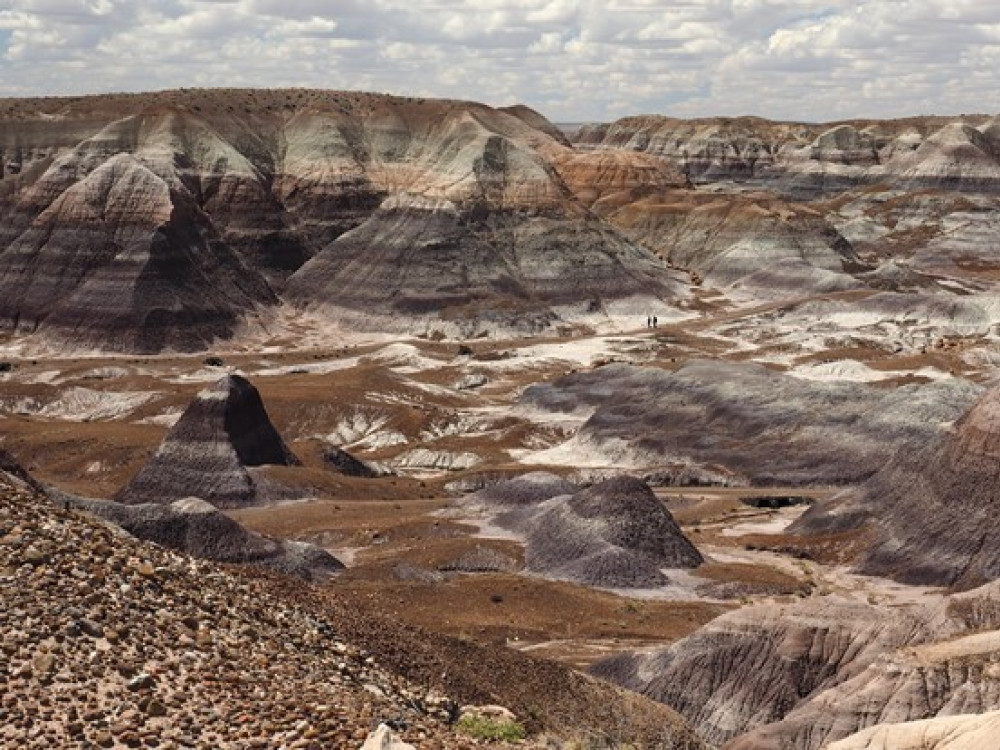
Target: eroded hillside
(179,219)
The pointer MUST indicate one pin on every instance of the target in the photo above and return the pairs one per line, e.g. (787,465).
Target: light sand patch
(403,358)
(311,368)
(581,453)
(583,352)
(424,459)
(168,418)
(774,525)
(366,430)
(629,313)
(82,405)
(42,378)
(857,372)
(977,644)
(683,586)
(201,375)
(831,579)
(346,555)
(286,329)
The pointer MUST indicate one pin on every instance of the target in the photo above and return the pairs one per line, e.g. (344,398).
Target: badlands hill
(211,451)
(741,423)
(782,209)
(170,220)
(930,515)
(614,534)
(197,528)
(812,675)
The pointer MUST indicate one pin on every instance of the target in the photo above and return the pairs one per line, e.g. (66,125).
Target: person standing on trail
(654,321)
(649,321)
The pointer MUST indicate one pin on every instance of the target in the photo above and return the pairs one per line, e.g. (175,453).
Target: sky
(573,60)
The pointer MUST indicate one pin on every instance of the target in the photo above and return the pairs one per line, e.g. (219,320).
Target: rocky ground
(111,642)
(108,642)
(428,588)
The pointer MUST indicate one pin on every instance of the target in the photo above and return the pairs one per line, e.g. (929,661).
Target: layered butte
(209,453)
(167,221)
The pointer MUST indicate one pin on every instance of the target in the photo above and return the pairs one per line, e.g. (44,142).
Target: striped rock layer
(930,513)
(208,453)
(172,220)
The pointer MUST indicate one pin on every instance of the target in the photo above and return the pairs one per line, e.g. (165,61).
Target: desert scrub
(486,728)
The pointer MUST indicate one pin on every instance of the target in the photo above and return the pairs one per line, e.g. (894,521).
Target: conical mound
(932,515)
(225,430)
(615,534)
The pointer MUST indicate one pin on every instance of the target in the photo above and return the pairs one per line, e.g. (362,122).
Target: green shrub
(485,728)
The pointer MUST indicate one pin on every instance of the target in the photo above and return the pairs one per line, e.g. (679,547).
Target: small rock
(141,681)
(383,739)
(91,628)
(43,663)
(470,381)
(35,555)
(155,708)
(146,569)
(375,690)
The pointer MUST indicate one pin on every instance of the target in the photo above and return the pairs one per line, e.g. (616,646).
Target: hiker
(654,321)
(649,321)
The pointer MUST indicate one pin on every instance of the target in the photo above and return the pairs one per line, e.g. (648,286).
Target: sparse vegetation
(486,728)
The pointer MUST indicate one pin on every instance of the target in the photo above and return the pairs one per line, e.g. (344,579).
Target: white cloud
(572,59)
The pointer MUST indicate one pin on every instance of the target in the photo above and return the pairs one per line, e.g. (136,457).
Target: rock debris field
(109,642)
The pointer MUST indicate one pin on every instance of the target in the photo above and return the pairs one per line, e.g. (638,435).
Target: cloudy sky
(572,59)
